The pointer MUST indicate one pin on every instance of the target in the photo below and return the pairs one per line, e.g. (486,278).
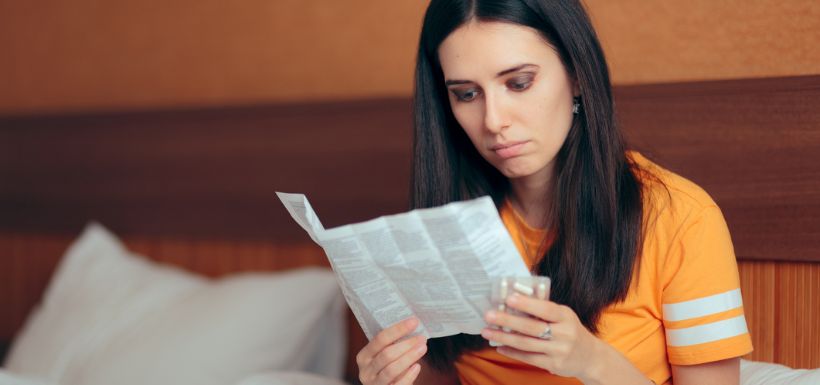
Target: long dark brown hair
(596,196)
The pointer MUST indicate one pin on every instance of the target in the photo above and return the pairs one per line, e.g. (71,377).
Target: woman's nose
(495,113)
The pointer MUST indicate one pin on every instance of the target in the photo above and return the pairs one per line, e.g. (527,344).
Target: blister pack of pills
(533,286)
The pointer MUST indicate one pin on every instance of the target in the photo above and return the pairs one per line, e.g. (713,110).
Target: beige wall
(59,55)
(659,41)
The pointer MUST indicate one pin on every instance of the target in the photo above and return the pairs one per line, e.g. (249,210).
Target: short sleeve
(702,306)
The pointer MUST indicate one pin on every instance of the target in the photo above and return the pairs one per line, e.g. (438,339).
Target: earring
(576,105)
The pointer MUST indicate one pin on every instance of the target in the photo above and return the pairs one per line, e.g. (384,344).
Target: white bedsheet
(8,378)
(764,373)
(751,373)
(270,378)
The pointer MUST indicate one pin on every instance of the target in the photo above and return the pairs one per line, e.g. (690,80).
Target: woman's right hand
(386,360)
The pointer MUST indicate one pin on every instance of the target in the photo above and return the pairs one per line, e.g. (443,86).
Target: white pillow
(764,373)
(112,317)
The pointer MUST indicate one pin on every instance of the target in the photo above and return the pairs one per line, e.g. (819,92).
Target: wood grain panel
(753,145)
(757,283)
(32,260)
(798,315)
(210,174)
(782,305)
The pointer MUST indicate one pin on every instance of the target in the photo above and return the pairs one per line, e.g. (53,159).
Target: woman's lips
(508,150)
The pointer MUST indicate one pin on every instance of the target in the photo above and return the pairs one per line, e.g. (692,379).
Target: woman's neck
(531,198)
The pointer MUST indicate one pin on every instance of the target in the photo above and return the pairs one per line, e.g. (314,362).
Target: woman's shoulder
(667,194)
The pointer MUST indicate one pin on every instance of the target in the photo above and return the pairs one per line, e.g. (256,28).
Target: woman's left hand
(554,340)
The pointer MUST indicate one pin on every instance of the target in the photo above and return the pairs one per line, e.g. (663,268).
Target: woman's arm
(616,369)
(571,350)
(718,372)
(558,342)
(611,367)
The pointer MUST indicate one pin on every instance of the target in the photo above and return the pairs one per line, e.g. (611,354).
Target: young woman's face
(511,94)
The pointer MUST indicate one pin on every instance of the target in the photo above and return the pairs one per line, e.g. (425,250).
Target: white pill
(523,289)
(541,291)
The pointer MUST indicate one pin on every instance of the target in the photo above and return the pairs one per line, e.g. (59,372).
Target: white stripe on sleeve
(700,307)
(710,332)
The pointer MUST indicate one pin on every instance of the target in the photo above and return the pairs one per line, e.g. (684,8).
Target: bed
(194,189)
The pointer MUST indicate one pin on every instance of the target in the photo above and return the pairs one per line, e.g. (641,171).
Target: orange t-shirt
(683,306)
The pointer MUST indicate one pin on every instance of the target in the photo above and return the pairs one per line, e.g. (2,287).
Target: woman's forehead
(481,48)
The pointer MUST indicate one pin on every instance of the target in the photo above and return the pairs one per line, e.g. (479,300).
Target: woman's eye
(519,84)
(465,96)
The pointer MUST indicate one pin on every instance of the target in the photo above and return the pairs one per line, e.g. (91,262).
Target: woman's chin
(523,171)
(516,173)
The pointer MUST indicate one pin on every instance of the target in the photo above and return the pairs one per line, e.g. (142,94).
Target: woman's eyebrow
(502,73)
(516,68)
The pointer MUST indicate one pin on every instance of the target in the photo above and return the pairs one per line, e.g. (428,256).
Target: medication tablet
(523,289)
(533,286)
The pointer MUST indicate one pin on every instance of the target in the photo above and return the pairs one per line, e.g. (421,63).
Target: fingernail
(421,348)
(491,315)
(513,298)
(485,333)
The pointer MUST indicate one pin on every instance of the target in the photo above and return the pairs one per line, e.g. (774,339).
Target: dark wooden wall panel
(754,145)
(204,173)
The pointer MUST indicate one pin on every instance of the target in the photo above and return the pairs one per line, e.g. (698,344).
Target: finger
(385,338)
(410,375)
(396,351)
(518,341)
(370,369)
(398,368)
(524,325)
(544,309)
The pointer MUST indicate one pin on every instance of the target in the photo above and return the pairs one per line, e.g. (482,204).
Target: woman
(513,100)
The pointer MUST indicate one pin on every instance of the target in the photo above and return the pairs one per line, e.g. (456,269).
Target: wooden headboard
(195,188)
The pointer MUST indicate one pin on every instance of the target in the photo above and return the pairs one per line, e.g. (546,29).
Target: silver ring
(547,333)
